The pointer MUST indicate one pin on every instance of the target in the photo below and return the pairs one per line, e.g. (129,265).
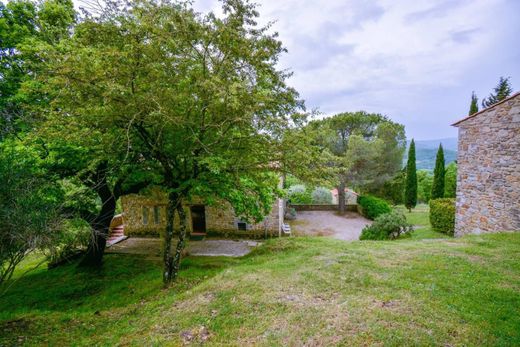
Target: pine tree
(410,191)
(438,175)
(501,91)
(474,104)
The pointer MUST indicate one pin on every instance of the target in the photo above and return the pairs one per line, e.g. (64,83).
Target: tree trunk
(341,197)
(168,236)
(100,226)
(182,241)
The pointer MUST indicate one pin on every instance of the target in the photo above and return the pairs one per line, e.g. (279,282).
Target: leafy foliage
(388,226)
(299,194)
(197,98)
(392,190)
(438,175)
(424,185)
(450,181)
(23,25)
(501,92)
(29,207)
(372,207)
(442,215)
(410,190)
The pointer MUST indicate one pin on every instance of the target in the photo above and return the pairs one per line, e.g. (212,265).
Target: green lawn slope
(290,291)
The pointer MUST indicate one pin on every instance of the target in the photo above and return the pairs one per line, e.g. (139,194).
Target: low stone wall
(323,207)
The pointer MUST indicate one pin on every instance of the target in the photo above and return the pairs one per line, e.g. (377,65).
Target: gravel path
(328,223)
(208,248)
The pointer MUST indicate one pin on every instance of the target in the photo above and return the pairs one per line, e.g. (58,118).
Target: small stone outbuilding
(488,178)
(145,215)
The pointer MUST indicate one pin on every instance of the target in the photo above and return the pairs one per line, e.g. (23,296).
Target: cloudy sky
(416,61)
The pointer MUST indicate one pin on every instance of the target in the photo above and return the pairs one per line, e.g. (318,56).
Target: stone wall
(488,181)
(323,207)
(220,218)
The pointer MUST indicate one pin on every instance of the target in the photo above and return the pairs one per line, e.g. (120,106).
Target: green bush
(372,207)
(388,226)
(298,194)
(321,195)
(442,215)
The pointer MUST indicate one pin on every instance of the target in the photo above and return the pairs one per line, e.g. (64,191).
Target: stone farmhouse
(488,179)
(145,215)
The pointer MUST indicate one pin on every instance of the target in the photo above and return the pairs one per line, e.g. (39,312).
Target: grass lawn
(419,217)
(290,291)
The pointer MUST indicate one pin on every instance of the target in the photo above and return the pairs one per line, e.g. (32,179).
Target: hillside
(426,151)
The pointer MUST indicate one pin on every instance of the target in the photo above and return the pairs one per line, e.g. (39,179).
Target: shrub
(372,207)
(442,215)
(29,211)
(298,194)
(72,242)
(321,195)
(388,226)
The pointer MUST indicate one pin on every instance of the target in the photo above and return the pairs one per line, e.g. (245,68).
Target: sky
(416,61)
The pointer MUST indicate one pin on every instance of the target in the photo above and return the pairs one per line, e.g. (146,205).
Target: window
(242,225)
(145,215)
(156,215)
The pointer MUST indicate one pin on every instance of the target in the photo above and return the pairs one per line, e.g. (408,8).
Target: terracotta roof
(486,109)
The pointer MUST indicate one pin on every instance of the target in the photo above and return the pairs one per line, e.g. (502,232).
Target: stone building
(488,178)
(145,215)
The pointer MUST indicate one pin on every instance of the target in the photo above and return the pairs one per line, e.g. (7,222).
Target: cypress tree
(410,190)
(473,108)
(438,175)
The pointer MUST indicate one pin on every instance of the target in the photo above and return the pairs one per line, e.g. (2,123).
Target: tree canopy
(197,96)
(500,92)
(365,149)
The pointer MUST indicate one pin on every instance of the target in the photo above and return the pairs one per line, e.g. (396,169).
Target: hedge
(372,207)
(442,215)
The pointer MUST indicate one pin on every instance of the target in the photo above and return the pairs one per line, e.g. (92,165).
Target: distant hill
(426,150)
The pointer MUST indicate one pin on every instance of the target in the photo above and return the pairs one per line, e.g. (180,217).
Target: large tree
(198,96)
(500,92)
(366,149)
(438,175)
(28,30)
(410,189)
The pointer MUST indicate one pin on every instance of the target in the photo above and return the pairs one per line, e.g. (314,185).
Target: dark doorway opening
(198,222)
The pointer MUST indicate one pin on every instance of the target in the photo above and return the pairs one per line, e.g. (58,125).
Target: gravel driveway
(328,223)
(210,248)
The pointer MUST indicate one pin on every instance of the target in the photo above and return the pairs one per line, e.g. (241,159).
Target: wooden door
(198,220)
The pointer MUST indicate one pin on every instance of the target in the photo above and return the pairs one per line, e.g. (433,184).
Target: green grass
(291,291)
(419,217)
